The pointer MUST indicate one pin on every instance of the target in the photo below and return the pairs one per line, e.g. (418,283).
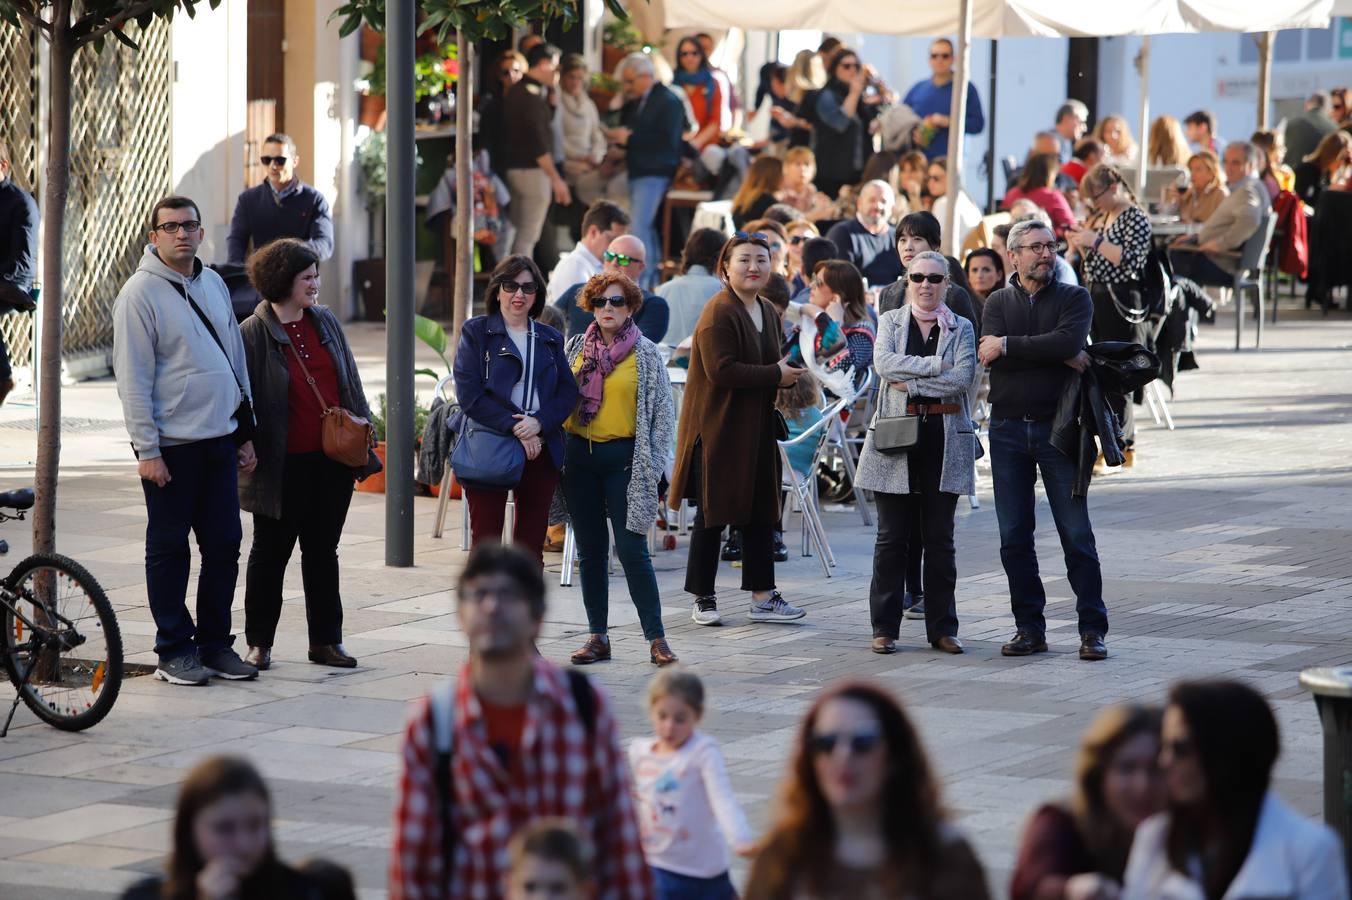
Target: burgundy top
(304,411)
(1051,852)
(1052,201)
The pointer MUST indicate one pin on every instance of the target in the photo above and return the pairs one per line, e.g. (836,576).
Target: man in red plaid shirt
(525,740)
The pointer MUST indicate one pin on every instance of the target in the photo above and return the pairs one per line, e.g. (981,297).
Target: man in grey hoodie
(181,374)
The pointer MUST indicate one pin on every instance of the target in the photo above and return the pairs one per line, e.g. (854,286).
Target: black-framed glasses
(848,65)
(859,743)
(800,239)
(753,235)
(271,160)
(685,53)
(921,278)
(1039,249)
(528,288)
(189,226)
(622,259)
(615,302)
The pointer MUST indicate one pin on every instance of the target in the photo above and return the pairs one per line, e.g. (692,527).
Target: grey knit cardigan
(656,418)
(922,375)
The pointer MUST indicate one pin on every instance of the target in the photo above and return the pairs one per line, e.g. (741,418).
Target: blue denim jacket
(488,366)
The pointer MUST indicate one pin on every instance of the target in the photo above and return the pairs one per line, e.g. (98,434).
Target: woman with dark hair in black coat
(844,109)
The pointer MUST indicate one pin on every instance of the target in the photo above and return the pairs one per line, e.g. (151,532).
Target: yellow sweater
(619,404)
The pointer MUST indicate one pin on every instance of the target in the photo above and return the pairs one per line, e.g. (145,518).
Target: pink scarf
(598,361)
(941,314)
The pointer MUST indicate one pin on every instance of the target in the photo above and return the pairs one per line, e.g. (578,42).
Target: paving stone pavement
(1224,553)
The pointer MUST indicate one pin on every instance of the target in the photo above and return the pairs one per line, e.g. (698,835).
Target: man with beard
(1033,334)
(868,240)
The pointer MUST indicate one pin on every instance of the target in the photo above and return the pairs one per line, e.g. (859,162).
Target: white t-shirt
(687,814)
(575,268)
(521,340)
(969,216)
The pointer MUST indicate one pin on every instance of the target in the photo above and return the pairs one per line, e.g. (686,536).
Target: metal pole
(399,253)
(462,306)
(957,125)
(1264,78)
(990,125)
(1143,163)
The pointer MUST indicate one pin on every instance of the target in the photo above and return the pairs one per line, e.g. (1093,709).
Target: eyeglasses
(685,53)
(1039,249)
(622,259)
(861,742)
(799,239)
(941,56)
(273,160)
(848,65)
(921,277)
(189,226)
(754,235)
(616,301)
(528,288)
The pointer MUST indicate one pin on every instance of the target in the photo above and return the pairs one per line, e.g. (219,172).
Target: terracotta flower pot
(376,483)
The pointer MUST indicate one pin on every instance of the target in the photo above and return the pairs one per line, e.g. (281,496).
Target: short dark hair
(172,202)
(782,213)
(829,44)
(540,52)
(604,215)
(1203,117)
(923,225)
(1065,110)
(553,840)
(333,880)
(274,267)
(943,40)
(988,253)
(777,291)
(701,249)
(507,270)
(818,249)
(573,62)
(1087,148)
(510,560)
(286,140)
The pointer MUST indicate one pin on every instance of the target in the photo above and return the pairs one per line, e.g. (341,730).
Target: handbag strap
(530,370)
(211,330)
(309,379)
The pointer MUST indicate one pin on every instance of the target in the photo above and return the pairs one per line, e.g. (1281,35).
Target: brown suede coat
(728,414)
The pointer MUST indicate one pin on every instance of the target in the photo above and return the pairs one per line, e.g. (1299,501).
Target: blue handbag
(487,459)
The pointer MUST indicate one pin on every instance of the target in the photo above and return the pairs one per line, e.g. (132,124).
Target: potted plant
(619,38)
(369,273)
(376,483)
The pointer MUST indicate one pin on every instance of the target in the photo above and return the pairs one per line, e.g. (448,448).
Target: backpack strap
(584,697)
(442,703)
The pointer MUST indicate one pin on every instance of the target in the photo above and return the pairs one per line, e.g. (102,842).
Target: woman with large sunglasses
(511,376)
(925,357)
(859,813)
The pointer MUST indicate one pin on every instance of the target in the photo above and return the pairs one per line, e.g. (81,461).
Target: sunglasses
(273,160)
(527,288)
(941,56)
(921,278)
(753,235)
(800,239)
(685,53)
(621,258)
(861,742)
(848,65)
(189,226)
(616,302)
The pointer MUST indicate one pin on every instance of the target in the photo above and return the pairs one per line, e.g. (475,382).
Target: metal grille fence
(119,166)
(19,129)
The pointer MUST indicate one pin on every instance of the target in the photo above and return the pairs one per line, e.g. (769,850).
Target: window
(1319,43)
(1287,46)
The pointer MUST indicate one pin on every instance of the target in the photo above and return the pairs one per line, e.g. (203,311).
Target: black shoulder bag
(245,424)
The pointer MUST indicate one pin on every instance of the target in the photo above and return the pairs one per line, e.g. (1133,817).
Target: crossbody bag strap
(309,379)
(211,330)
(530,370)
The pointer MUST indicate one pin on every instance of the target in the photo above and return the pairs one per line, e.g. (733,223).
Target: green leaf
(428,372)
(617,9)
(98,45)
(430,333)
(123,39)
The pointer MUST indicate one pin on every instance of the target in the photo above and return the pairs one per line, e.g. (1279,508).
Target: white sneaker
(777,609)
(706,611)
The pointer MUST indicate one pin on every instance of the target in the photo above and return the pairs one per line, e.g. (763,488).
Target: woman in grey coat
(925,357)
(618,439)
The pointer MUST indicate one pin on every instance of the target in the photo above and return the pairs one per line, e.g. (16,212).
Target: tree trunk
(53,233)
(464,190)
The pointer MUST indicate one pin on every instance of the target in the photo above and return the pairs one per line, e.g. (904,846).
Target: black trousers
(701,568)
(896,517)
(316,493)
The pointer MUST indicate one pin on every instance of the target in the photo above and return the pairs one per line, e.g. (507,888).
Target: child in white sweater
(686,811)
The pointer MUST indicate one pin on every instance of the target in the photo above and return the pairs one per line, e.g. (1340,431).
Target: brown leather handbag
(346,438)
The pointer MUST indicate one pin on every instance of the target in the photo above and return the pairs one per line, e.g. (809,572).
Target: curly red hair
(597,284)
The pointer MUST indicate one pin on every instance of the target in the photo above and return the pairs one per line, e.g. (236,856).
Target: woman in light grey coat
(925,357)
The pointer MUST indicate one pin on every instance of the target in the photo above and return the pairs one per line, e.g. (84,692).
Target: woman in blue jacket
(511,375)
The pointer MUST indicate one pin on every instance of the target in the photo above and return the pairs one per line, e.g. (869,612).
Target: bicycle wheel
(70,639)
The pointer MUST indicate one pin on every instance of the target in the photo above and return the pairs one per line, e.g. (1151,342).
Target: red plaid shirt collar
(566,772)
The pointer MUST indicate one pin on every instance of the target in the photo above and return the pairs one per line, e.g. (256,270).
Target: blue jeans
(645,202)
(1019,451)
(202,497)
(595,480)
(671,886)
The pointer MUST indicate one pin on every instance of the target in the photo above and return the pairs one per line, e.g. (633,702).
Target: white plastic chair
(844,436)
(803,490)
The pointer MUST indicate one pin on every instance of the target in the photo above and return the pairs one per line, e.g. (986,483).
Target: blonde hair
(1128,142)
(795,398)
(678,682)
(1168,145)
(800,154)
(805,74)
(1213,164)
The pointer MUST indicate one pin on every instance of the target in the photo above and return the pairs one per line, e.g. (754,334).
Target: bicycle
(62,647)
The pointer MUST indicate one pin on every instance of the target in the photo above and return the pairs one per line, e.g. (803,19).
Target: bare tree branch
(118,20)
(33,19)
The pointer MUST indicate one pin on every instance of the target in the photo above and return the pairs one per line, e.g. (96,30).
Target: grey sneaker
(777,609)
(183,669)
(706,611)
(225,663)
(917,609)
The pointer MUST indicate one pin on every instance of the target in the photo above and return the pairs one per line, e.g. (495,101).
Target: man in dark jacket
(654,119)
(625,256)
(1033,335)
(282,206)
(18,256)
(528,150)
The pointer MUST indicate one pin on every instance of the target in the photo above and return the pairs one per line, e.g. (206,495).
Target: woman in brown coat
(727,462)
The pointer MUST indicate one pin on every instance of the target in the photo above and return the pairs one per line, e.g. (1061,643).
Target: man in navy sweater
(281,207)
(932,100)
(654,119)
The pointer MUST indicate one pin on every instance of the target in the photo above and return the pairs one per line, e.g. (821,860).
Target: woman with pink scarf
(616,450)
(925,357)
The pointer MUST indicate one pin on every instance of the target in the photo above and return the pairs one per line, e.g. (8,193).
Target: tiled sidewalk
(1224,553)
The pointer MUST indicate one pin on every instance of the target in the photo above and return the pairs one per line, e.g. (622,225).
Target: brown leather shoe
(332,655)
(660,653)
(884,645)
(596,649)
(259,657)
(949,645)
